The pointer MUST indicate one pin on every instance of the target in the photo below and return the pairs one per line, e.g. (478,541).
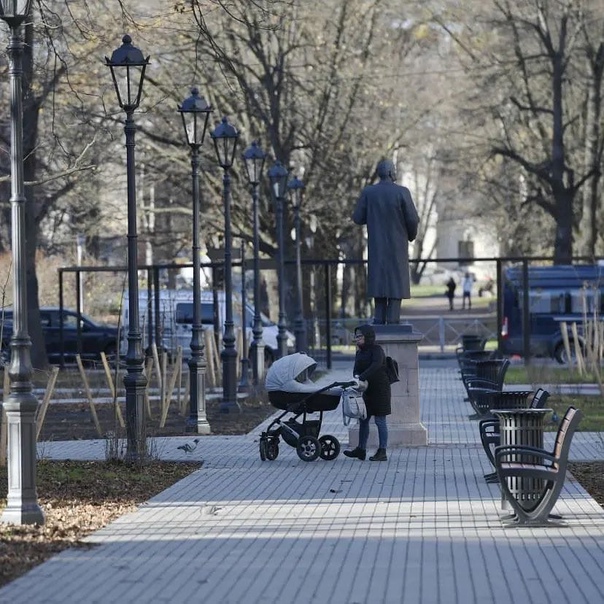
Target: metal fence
(328,318)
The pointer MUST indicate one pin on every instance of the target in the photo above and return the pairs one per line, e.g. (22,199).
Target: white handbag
(353,405)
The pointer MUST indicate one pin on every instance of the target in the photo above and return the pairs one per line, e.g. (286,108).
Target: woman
(370,367)
(450,293)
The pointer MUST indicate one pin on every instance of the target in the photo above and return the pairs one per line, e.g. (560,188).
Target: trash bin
(523,427)
(489,370)
(472,342)
(512,399)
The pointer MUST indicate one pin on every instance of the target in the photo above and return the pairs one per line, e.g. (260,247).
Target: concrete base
(404,426)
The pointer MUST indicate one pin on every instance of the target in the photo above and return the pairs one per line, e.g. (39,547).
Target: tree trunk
(31,110)
(588,231)
(563,192)
(563,245)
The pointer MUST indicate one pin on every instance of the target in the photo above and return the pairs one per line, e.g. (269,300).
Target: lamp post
(310,241)
(195,113)
(295,188)
(225,137)
(277,175)
(253,160)
(22,500)
(128,65)
(244,385)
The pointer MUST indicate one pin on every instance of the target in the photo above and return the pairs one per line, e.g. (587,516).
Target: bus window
(554,302)
(540,302)
(563,304)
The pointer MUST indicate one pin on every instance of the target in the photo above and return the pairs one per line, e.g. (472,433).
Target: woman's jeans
(380,422)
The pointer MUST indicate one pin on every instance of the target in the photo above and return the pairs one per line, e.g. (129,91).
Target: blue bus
(571,293)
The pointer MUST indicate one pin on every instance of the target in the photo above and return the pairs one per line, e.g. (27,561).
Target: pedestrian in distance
(450,293)
(392,222)
(468,283)
(370,367)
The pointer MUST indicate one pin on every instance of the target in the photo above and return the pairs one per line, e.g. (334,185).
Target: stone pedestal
(404,426)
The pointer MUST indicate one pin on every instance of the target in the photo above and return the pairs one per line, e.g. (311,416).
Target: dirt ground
(75,421)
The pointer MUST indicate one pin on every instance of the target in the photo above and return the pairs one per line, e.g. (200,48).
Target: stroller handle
(345,384)
(340,384)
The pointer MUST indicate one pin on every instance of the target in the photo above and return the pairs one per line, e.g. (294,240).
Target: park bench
(518,465)
(472,347)
(490,436)
(487,382)
(468,360)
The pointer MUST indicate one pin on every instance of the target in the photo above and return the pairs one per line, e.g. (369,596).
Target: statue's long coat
(392,221)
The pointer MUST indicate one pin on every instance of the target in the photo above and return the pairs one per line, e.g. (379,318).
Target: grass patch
(551,378)
(424,291)
(591,406)
(421,292)
(541,374)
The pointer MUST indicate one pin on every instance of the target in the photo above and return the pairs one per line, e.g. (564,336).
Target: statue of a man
(392,222)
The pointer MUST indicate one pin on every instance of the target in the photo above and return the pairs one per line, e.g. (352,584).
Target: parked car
(63,343)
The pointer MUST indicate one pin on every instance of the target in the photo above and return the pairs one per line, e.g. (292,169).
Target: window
(465,250)
(184,313)
(563,302)
(70,322)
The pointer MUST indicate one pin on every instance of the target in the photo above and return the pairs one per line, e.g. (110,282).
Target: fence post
(328,311)
(526,314)
(499,304)
(441,333)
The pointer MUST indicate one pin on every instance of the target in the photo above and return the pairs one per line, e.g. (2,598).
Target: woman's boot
(357,452)
(380,455)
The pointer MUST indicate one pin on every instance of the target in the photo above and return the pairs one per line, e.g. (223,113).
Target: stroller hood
(291,374)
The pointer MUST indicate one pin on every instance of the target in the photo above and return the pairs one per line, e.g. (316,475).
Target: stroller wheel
(308,448)
(330,447)
(262,448)
(272,449)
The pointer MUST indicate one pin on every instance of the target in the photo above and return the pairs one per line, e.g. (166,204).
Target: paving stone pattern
(422,528)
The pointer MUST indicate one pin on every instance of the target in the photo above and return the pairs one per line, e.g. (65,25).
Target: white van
(176,320)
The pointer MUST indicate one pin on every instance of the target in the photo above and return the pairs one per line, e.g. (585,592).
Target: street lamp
(310,241)
(21,404)
(195,113)
(253,160)
(277,175)
(295,188)
(225,138)
(244,385)
(127,65)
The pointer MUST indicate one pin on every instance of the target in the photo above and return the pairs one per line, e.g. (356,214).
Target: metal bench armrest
(473,382)
(484,424)
(504,450)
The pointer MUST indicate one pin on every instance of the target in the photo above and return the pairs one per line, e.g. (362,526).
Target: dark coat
(370,366)
(451,285)
(392,222)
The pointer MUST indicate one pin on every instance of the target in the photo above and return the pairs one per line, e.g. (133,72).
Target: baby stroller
(290,389)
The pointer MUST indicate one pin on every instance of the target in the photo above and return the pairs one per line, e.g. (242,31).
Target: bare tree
(319,84)
(522,59)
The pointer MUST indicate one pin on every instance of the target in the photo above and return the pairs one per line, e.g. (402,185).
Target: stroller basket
(307,428)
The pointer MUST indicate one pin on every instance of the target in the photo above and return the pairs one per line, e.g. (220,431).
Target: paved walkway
(422,528)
